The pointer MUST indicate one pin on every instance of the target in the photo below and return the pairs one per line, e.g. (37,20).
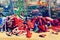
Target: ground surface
(35,36)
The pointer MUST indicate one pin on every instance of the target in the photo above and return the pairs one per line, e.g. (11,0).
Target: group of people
(17,26)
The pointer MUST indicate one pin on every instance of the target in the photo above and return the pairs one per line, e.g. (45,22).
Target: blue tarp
(0,21)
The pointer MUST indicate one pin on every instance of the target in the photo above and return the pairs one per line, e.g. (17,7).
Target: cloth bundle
(17,26)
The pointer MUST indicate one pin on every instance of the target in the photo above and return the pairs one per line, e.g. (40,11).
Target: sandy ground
(35,36)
